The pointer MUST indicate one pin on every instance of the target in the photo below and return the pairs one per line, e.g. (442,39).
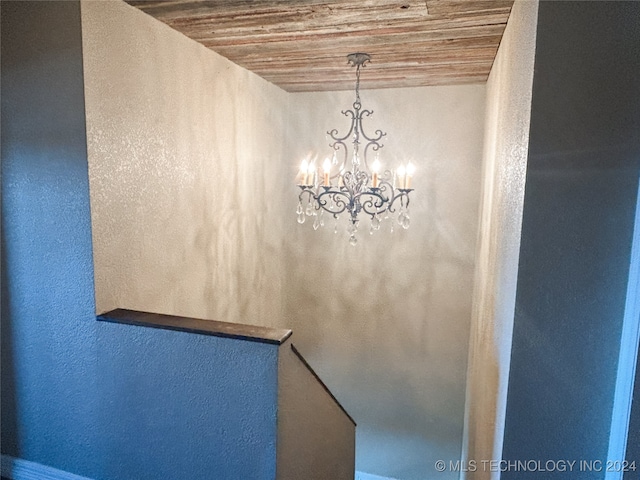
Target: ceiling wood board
(301,45)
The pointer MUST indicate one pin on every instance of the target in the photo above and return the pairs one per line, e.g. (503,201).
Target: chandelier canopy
(347,182)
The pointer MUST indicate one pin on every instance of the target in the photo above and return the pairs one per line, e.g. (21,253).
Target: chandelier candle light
(350,183)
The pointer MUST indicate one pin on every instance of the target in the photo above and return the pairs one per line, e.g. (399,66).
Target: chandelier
(348,184)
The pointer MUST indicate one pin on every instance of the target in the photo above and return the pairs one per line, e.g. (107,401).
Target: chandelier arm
(338,199)
(407,199)
(373,202)
(375,146)
(334,132)
(379,133)
(386,187)
(403,197)
(337,146)
(372,142)
(306,191)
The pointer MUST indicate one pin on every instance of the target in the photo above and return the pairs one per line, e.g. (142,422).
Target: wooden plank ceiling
(301,45)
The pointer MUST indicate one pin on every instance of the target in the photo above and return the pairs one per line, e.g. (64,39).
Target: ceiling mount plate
(358,59)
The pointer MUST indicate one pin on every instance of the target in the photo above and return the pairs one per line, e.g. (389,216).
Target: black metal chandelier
(358,187)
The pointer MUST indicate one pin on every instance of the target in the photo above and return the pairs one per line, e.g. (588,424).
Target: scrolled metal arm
(379,133)
(338,202)
(372,202)
(334,132)
(403,196)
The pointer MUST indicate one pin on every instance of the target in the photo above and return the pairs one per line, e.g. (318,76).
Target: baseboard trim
(19,469)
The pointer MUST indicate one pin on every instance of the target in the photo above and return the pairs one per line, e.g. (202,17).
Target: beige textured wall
(505,160)
(386,323)
(184,149)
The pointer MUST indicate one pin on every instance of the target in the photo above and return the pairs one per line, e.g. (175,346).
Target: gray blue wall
(578,219)
(48,326)
(83,396)
(633,444)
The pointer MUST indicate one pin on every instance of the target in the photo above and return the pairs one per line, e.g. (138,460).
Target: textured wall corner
(505,161)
